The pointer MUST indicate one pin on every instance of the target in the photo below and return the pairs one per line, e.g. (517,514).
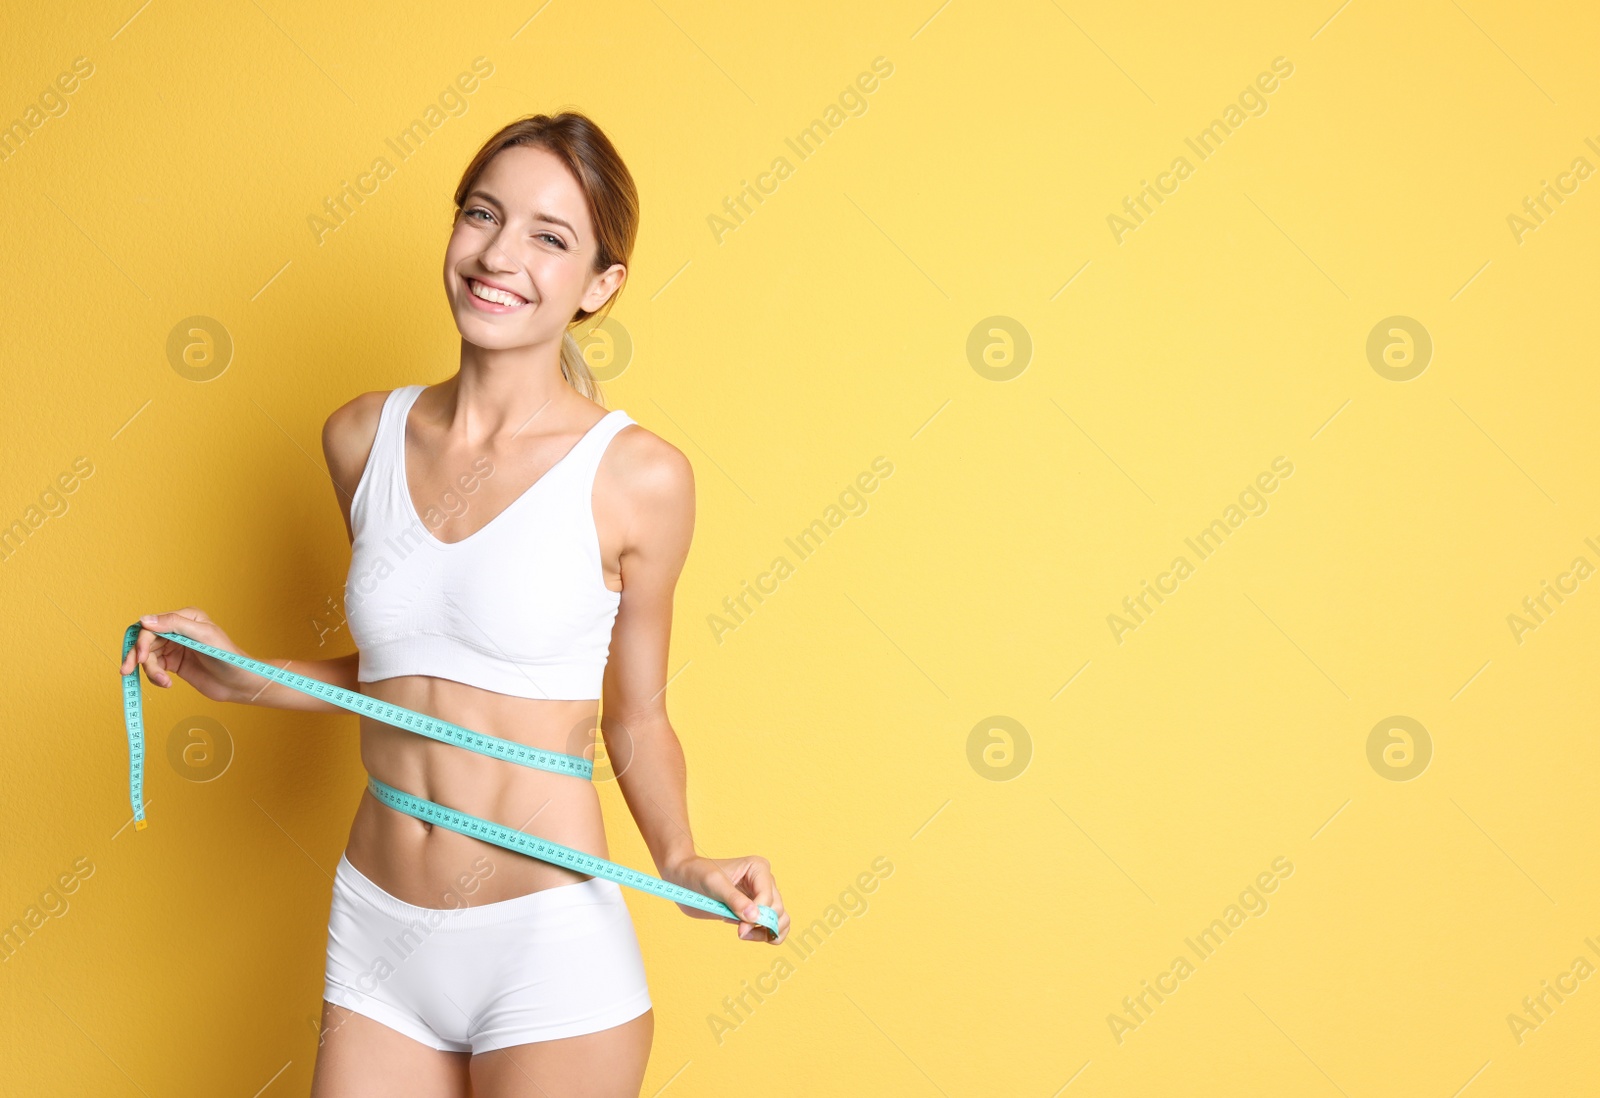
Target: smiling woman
(612,224)
(513,618)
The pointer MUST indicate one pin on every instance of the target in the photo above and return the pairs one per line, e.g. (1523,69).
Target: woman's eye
(554,239)
(476,210)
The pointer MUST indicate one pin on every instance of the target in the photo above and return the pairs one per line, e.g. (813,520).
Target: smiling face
(524,241)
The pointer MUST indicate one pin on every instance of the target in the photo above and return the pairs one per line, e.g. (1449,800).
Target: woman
(514,553)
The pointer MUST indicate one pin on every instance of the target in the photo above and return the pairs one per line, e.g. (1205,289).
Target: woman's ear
(602,287)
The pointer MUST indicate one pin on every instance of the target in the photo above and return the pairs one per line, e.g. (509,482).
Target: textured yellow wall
(1343,334)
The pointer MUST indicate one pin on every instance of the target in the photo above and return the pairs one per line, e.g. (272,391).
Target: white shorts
(553,963)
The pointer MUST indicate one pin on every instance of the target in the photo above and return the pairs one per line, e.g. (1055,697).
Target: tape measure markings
(433,728)
(547,851)
(426,810)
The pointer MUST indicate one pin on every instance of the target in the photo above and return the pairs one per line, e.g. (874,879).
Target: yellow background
(831,728)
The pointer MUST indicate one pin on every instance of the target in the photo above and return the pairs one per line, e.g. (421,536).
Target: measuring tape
(428,811)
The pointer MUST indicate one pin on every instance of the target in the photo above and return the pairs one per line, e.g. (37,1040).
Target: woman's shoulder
(348,435)
(641,460)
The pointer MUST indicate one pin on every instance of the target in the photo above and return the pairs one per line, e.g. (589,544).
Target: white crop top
(519,606)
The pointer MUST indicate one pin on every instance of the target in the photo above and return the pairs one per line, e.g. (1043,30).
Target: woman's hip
(552,963)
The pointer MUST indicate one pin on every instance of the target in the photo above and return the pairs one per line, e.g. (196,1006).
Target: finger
(759,881)
(189,622)
(783,917)
(163,657)
(135,654)
(757,932)
(725,888)
(155,666)
(174,621)
(760,933)
(758,878)
(143,643)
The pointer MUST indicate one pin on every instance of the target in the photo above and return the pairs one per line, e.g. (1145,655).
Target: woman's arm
(654,486)
(275,695)
(219,680)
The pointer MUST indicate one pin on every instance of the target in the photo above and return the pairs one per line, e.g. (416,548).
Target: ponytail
(575,369)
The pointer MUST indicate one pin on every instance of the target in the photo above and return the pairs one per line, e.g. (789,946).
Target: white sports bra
(519,606)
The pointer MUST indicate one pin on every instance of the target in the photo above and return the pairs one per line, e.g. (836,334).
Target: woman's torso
(434,866)
(496,581)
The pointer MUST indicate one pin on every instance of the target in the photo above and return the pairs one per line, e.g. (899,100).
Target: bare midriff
(426,865)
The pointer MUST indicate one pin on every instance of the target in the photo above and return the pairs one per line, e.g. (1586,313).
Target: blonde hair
(609,191)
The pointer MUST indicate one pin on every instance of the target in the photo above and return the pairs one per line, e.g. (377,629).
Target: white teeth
(499,297)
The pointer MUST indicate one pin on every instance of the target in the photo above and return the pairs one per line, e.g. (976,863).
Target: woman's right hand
(162,658)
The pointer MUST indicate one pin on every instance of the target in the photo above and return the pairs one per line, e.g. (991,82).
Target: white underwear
(553,963)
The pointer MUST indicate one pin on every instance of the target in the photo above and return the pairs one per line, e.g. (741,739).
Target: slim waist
(545,902)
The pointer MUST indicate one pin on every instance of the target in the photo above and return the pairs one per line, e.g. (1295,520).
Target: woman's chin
(493,337)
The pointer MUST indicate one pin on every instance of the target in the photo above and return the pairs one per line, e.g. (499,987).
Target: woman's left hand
(741,883)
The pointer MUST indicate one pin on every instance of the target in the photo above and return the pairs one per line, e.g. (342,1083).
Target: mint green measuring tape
(428,811)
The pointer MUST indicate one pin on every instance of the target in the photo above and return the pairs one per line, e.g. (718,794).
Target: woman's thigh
(357,1056)
(607,1064)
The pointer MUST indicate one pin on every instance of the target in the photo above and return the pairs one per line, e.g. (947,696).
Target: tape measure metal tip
(140,825)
